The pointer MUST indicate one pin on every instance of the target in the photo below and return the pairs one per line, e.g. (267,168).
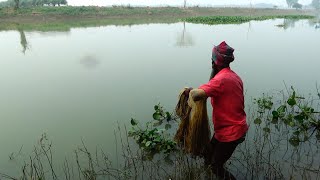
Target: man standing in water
(229,118)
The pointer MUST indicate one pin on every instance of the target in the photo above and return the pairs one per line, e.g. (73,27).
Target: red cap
(222,54)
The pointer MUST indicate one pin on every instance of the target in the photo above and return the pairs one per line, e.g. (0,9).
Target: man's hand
(198,94)
(187,91)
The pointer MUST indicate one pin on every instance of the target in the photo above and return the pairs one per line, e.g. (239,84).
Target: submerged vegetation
(282,143)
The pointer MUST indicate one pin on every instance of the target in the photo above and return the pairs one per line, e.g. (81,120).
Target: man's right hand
(187,91)
(198,94)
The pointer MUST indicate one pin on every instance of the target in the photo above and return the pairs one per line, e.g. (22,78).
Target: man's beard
(213,73)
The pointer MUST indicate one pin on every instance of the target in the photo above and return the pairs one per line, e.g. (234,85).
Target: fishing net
(193,132)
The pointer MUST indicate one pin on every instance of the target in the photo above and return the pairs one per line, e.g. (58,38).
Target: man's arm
(198,94)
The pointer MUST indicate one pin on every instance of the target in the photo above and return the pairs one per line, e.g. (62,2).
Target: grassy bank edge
(64,18)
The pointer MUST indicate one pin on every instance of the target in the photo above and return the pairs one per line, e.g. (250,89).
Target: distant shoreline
(65,17)
(82,12)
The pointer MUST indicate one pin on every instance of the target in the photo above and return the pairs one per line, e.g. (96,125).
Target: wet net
(193,132)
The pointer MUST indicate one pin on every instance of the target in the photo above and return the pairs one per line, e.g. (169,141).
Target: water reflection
(185,39)
(23,41)
(90,61)
(316,21)
(288,23)
(291,23)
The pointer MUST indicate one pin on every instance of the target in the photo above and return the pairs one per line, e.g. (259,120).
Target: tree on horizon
(315,4)
(290,3)
(16,4)
(29,3)
(297,6)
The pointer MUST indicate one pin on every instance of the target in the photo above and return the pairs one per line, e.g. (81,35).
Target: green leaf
(152,131)
(144,141)
(168,116)
(131,133)
(133,122)
(282,109)
(148,143)
(294,92)
(158,139)
(299,118)
(156,107)
(296,133)
(167,126)
(292,124)
(156,116)
(292,101)
(257,121)
(275,114)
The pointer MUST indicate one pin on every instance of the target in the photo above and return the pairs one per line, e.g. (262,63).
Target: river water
(77,85)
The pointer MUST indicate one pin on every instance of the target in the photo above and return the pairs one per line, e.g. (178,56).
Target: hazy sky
(177,2)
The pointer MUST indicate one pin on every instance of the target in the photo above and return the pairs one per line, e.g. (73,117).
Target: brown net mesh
(193,132)
(183,112)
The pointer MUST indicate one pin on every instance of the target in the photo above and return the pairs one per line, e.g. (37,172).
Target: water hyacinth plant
(212,20)
(151,139)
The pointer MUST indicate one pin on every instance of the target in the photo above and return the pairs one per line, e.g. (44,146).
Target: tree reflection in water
(23,41)
(90,61)
(185,39)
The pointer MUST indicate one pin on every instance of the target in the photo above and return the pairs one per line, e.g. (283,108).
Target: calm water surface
(78,84)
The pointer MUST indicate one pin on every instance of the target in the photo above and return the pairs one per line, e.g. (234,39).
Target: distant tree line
(315,4)
(30,3)
(294,4)
(290,3)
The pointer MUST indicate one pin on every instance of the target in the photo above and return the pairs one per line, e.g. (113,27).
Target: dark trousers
(218,153)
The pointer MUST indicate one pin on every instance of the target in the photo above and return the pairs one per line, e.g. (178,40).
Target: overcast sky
(176,2)
(179,2)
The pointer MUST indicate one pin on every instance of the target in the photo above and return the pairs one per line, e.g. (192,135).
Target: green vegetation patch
(91,11)
(240,19)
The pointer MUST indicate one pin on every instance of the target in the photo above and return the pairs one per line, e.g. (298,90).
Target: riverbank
(63,18)
(141,12)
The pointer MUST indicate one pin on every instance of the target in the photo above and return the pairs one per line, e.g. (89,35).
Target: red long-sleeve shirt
(227,100)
